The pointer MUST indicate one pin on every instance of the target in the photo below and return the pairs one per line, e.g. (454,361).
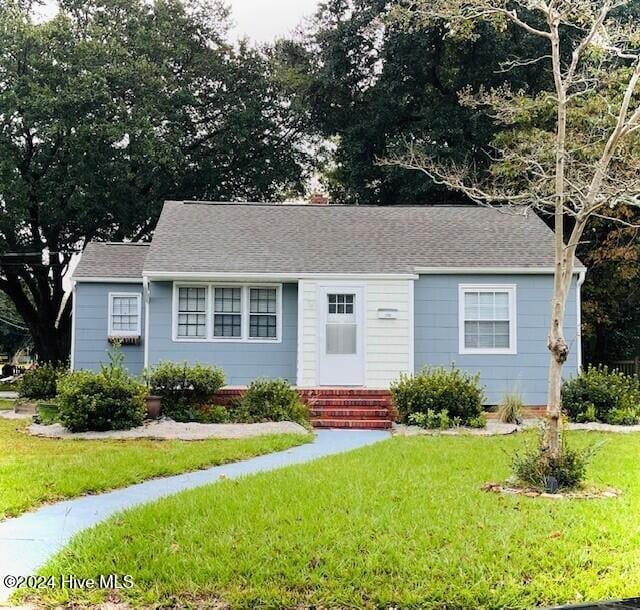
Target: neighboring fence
(628,367)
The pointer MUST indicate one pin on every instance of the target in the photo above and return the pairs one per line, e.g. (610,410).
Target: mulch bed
(589,493)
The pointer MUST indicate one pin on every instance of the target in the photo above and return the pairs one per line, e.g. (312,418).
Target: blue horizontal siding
(242,362)
(436,334)
(91,311)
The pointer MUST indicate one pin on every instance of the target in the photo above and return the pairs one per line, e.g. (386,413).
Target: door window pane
(341,338)
(340,303)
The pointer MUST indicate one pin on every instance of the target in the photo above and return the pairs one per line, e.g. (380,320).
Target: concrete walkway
(28,541)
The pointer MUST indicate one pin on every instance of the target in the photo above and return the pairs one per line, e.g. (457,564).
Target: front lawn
(37,470)
(6,404)
(401,523)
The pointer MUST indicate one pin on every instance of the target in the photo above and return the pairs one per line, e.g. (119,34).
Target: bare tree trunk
(557,345)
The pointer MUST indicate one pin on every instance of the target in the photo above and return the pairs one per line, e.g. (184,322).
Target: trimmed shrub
(185,388)
(272,400)
(440,421)
(39,383)
(216,414)
(534,467)
(510,409)
(439,390)
(108,400)
(598,394)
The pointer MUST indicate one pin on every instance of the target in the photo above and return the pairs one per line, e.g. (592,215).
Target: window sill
(221,340)
(487,352)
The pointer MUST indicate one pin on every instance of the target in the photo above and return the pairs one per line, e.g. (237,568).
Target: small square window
(124,314)
(488,320)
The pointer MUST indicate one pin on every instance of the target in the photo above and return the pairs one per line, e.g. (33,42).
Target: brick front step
(349,402)
(361,424)
(357,413)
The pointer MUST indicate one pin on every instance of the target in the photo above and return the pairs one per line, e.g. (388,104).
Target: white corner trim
(581,278)
(487,270)
(72,356)
(146,293)
(300,337)
(513,320)
(108,280)
(124,333)
(209,312)
(412,325)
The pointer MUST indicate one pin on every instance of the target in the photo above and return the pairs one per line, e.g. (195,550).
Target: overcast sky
(259,20)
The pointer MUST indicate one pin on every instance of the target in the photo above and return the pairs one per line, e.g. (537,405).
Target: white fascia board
(109,280)
(279,277)
(489,270)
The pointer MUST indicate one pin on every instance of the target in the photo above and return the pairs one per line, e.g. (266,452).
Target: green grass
(38,470)
(6,404)
(402,523)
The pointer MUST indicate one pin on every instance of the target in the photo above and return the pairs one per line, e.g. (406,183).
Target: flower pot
(153,407)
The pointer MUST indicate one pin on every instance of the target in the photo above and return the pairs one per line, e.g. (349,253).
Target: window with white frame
(234,312)
(192,312)
(227,312)
(487,319)
(263,321)
(124,314)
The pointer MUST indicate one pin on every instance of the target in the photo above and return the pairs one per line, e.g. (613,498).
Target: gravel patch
(10,414)
(167,429)
(598,427)
(493,428)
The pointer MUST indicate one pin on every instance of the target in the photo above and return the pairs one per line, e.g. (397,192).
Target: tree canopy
(111,107)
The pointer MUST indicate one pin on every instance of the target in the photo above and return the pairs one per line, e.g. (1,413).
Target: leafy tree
(13,332)
(106,110)
(611,292)
(571,152)
(371,85)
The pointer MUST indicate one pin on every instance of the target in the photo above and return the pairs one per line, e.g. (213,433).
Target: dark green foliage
(600,394)
(440,420)
(533,466)
(272,400)
(108,109)
(108,400)
(39,383)
(439,390)
(373,86)
(184,388)
(216,414)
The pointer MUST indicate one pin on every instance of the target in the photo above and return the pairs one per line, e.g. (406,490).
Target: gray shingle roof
(113,260)
(268,238)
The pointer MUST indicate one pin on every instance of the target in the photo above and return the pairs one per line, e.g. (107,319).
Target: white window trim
(209,338)
(125,333)
(513,319)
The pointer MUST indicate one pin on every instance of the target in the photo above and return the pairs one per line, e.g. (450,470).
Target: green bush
(39,383)
(108,400)
(184,388)
(216,414)
(534,467)
(272,400)
(439,390)
(598,394)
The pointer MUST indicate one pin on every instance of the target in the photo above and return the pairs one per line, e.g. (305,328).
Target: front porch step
(350,402)
(355,413)
(359,424)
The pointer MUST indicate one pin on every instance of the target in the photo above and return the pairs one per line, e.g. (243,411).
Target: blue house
(329,295)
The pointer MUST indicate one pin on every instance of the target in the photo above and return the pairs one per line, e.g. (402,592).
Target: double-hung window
(192,312)
(263,320)
(228,312)
(487,319)
(124,314)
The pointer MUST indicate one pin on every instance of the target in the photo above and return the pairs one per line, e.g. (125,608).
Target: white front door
(341,335)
